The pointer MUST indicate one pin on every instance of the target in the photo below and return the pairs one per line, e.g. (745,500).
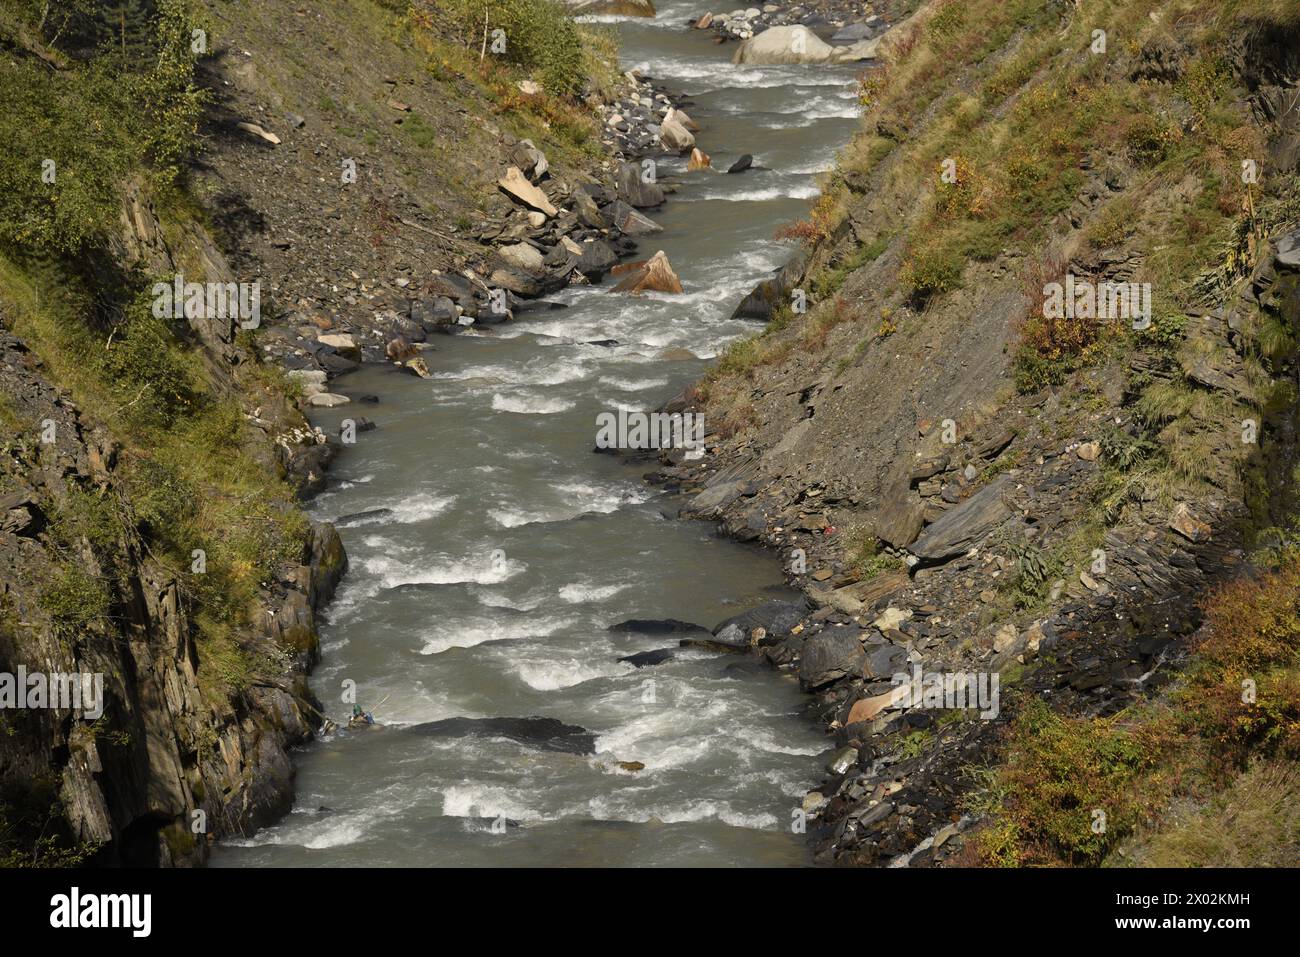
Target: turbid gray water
(498,549)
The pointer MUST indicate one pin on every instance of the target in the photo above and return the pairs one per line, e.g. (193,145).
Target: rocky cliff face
(945,512)
(176,759)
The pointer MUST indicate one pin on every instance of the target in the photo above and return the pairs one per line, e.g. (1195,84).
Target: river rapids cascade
(491,551)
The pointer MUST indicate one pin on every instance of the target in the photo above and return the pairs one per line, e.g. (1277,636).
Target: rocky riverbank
(935,537)
(544,230)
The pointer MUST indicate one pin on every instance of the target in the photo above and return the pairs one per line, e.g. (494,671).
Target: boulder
(965,525)
(1288,251)
(435,313)
(726,638)
(327,400)
(788,44)
(674,135)
(772,293)
(629,222)
(523,256)
(852,599)
(589,213)
(775,618)
(864,709)
(1186,524)
(852,33)
(684,119)
(343,344)
(417,366)
(595,258)
(842,760)
(530,160)
(798,44)
(311,381)
(515,185)
(643,659)
(698,160)
(742,164)
(830,656)
(658,626)
(523,283)
(652,275)
(399,350)
(633,189)
(900,517)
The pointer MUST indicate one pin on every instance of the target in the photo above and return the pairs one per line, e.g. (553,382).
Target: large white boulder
(798,44)
(792,44)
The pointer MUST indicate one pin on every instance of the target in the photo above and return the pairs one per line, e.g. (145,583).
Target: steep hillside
(962,476)
(152,461)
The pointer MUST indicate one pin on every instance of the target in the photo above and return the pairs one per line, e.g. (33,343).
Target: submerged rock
(543,734)
(643,659)
(742,164)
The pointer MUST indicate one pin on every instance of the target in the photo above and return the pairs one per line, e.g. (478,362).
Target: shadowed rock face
(542,734)
(134,795)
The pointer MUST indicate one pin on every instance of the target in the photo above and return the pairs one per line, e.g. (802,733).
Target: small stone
(1188,525)
(842,760)
(891,618)
(327,400)
(1005,638)
(1088,451)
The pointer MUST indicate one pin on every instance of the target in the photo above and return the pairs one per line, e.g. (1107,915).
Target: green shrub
(931,270)
(539,36)
(1062,775)
(75,598)
(132,103)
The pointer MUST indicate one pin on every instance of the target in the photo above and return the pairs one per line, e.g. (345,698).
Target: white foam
(580,499)
(634,385)
(529,404)
(474,800)
(393,571)
(474,631)
(566,672)
(753,196)
(579,592)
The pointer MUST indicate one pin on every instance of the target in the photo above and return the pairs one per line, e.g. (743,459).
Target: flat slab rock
(965,525)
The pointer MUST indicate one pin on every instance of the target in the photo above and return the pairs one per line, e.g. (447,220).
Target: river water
(507,548)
